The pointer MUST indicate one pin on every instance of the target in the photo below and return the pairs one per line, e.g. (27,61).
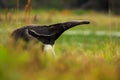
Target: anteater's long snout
(85,22)
(74,23)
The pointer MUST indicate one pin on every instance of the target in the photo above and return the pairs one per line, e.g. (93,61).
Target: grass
(79,57)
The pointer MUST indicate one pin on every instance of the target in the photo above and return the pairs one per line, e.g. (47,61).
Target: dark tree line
(114,6)
(100,5)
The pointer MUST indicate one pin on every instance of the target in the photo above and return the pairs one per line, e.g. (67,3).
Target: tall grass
(18,63)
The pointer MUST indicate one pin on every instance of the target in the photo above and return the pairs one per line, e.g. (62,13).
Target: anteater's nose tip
(87,22)
(82,21)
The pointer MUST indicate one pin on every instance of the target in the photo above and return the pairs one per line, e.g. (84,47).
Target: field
(87,52)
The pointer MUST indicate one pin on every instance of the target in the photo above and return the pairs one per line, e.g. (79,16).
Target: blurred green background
(85,52)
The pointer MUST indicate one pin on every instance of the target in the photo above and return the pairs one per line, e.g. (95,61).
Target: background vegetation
(61,4)
(87,52)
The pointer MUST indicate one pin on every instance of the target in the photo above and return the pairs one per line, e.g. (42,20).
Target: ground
(84,52)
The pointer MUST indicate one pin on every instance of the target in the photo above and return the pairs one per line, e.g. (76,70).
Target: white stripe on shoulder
(38,33)
(26,31)
(34,32)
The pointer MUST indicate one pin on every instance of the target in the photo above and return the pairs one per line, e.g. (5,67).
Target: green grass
(79,57)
